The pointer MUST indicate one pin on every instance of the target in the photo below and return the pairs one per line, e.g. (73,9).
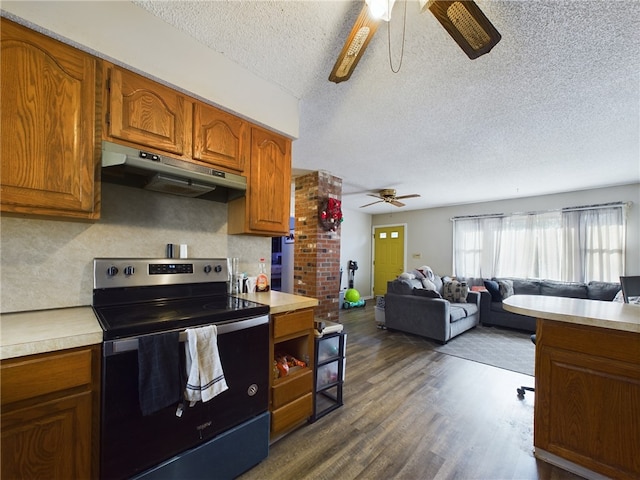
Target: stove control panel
(140,272)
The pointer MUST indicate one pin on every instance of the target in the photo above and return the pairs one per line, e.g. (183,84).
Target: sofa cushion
(401,287)
(455,291)
(458,311)
(494,290)
(554,288)
(423,292)
(525,286)
(506,288)
(602,290)
(437,281)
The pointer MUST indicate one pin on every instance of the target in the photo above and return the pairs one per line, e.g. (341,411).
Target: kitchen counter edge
(280,302)
(594,313)
(42,331)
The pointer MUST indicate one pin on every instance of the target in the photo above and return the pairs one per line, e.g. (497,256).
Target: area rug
(499,347)
(503,348)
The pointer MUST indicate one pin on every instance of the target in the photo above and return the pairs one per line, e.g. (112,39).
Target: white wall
(430,232)
(355,244)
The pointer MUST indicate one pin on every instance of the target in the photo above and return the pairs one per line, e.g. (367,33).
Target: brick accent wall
(316,270)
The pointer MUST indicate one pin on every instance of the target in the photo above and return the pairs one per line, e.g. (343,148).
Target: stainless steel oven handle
(114,347)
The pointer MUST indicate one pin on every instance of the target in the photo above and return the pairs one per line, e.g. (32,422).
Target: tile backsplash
(49,263)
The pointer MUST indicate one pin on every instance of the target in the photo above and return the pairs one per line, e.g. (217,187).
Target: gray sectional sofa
(493,313)
(411,308)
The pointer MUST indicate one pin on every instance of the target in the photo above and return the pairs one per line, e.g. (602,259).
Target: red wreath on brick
(331,214)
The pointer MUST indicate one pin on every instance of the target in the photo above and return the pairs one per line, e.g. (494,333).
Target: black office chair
(521,391)
(630,287)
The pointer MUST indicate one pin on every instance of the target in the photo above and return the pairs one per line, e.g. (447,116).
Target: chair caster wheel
(521,392)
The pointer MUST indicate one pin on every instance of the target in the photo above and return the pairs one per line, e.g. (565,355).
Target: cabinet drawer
(35,376)
(293,322)
(292,413)
(289,389)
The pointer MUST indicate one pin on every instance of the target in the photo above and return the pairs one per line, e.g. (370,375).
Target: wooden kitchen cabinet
(145,113)
(588,397)
(49,147)
(265,209)
(50,415)
(291,399)
(219,138)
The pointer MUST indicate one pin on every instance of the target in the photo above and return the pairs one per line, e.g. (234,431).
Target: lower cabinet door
(48,440)
(291,414)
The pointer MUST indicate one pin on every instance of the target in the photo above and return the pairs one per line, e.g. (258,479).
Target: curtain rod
(565,209)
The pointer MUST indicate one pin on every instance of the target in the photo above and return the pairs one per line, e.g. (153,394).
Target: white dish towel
(204,369)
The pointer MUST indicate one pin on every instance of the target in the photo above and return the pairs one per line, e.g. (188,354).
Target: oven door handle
(114,347)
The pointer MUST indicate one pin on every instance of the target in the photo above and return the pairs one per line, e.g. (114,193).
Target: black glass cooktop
(160,315)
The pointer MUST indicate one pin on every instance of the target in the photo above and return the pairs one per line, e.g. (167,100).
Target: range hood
(138,168)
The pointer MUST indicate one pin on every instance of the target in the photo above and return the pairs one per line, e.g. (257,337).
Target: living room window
(578,244)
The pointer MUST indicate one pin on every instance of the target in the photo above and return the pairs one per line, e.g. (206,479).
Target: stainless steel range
(139,300)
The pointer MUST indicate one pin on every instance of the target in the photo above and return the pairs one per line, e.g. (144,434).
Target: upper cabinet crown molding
(49,146)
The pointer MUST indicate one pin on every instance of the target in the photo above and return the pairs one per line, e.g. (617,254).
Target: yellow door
(388,260)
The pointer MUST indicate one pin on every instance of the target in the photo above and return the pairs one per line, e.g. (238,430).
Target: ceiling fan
(463,19)
(388,195)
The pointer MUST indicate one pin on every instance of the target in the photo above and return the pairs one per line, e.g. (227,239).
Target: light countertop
(280,302)
(28,333)
(41,331)
(595,313)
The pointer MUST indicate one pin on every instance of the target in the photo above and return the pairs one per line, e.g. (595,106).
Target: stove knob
(112,271)
(218,268)
(207,269)
(129,270)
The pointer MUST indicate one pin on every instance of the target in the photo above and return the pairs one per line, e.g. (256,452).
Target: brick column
(316,271)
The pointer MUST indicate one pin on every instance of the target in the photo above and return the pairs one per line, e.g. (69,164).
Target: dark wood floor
(413,413)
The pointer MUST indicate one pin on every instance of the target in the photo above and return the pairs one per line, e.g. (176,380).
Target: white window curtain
(580,244)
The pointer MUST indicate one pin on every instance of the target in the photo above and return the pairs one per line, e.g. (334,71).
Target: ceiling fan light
(381,9)
(466,24)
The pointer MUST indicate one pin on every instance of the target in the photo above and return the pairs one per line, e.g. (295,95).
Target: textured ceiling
(554,107)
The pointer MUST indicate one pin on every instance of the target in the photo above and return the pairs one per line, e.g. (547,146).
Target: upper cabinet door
(147,113)
(269,192)
(49,144)
(219,138)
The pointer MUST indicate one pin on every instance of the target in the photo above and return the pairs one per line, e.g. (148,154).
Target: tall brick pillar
(316,271)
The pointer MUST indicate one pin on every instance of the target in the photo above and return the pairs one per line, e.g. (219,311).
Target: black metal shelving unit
(329,373)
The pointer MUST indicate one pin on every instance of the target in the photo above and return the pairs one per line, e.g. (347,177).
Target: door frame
(373,248)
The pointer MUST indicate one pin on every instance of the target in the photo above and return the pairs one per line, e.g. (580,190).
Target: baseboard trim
(567,465)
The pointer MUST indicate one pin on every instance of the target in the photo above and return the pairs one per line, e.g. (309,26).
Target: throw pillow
(426,271)
(455,292)
(494,290)
(428,284)
(426,293)
(506,288)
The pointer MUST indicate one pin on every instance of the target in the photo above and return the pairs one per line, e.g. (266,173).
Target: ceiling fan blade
(396,203)
(357,41)
(368,204)
(375,196)
(413,195)
(466,24)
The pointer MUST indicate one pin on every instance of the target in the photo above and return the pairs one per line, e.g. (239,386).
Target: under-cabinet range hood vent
(138,168)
